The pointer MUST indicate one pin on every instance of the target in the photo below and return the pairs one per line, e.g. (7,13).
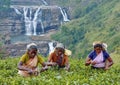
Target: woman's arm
(67,65)
(50,61)
(110,61)
(46,64)
(87,61)
(49,64)
(21,67)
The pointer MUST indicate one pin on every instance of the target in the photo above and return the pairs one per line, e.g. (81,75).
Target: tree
(4,5)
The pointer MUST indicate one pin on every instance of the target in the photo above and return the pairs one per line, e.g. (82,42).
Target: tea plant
(78,75)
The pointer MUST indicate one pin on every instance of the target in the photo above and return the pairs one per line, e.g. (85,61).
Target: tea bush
(78,75)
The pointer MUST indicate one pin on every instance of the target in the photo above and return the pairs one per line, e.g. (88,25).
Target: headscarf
(31,46)
(104,45)
(60,45)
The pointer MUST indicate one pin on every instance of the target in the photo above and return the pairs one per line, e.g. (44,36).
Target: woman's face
(32,53)
(98,49)
(59,51)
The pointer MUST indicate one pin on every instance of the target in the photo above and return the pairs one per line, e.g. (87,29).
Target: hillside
(78,75)
(100,22)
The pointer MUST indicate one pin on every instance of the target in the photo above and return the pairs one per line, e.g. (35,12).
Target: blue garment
(93,55)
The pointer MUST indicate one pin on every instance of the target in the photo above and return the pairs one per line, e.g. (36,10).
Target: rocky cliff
(30,18)
(25,19)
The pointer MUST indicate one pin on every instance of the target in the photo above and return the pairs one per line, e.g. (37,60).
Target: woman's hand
(33,72)
(88,63)
(30,71)
(67,69)
(93,62)
(54,64)
(106,68)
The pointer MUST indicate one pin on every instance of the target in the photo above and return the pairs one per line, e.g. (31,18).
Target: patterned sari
(32,64)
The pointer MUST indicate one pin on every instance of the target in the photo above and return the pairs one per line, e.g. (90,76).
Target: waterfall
(28,22)
(17,11)
(64,14)
(42,27)
(35,20)
(30,14)
(44,2)
(51,47)
(31,21)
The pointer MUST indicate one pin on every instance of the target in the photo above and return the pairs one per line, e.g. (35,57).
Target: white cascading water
(64,14)
(44,2)
(51,47)
(17,11)
(28,22)
(31,22)
(42,27)
(35,20)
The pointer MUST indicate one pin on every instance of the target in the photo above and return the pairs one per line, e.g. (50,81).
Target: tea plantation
(78,75)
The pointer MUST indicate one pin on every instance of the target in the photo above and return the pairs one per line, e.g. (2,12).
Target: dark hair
(98,45)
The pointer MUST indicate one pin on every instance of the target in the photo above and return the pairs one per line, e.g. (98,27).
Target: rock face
(18,49)
(33,18)
(27,2)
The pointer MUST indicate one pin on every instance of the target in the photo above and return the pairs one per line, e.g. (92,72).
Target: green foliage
(3,52)
(99,20)
(4,8)
(78,75)
(4,4)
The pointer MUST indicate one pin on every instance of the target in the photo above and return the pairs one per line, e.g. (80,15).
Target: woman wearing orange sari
(59,58)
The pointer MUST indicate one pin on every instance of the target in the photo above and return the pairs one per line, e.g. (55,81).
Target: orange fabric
(53,58)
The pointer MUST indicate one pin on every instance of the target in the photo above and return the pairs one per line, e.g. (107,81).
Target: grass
(78,75)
